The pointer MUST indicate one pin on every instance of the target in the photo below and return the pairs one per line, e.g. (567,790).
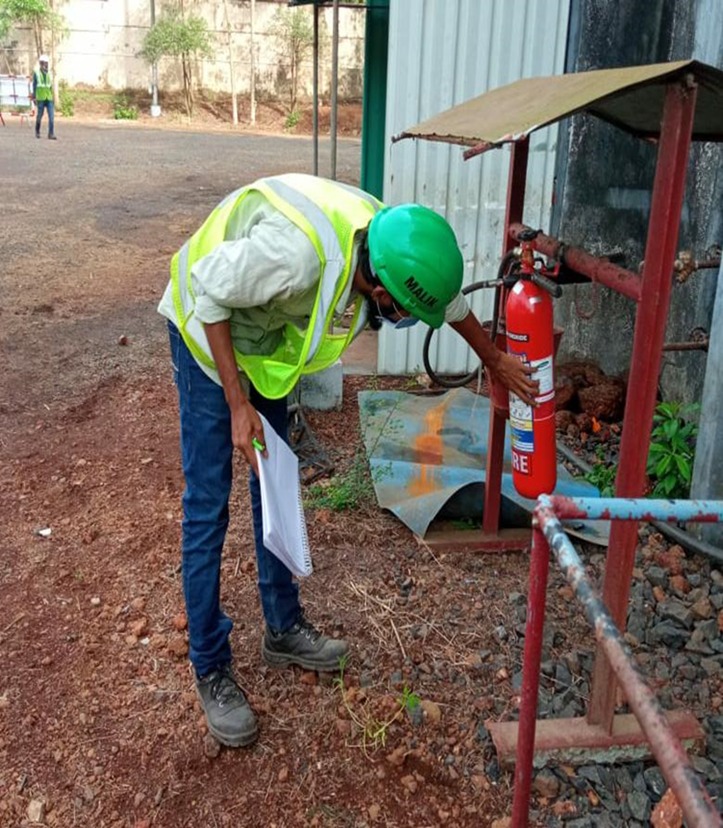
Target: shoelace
(224,689)
(308,630)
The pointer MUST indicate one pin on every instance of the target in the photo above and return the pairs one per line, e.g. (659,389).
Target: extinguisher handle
(547,284)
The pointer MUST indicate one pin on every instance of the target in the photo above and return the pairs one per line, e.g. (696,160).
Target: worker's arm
(509,370)
(245,422)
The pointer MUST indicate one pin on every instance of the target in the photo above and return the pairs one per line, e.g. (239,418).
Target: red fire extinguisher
(530,336)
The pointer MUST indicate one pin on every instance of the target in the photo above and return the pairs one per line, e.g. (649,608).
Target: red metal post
(650,322)
(534,629)
(496,436)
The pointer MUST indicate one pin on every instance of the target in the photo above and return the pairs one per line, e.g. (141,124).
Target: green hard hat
(414,254)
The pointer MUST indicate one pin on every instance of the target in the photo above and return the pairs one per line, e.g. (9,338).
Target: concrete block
(322,391)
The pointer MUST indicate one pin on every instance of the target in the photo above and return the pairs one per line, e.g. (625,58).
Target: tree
(176,36)
(296,33)
(38,14)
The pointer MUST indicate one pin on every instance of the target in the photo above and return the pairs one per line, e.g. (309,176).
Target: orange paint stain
(428,451)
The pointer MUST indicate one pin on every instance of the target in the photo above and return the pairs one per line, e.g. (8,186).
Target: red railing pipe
(534,629)
(599,270)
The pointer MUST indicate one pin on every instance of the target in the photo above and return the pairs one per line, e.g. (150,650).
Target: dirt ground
(98,717)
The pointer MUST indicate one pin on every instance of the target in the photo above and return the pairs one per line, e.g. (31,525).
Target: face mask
(398,324)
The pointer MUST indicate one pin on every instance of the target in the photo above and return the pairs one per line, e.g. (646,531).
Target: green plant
(294,30)
(123,109)
(602,475)
(176,35)
(38,15)
(66,100)
(372,729)
(292,119)
(672,449)
(343,492)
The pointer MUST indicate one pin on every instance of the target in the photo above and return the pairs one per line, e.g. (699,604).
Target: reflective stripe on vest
(330,215)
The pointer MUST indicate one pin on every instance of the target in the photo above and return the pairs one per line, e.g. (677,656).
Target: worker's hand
(515,375)
(246,427)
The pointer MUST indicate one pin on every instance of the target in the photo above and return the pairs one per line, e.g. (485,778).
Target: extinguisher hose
(458,381)
(671,531)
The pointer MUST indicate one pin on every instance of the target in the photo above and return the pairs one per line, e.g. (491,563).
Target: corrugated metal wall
(441,53)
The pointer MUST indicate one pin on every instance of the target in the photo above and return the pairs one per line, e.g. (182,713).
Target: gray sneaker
(304,646)
(228,715)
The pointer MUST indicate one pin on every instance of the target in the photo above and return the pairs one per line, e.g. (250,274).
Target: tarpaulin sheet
(630,97)
(428,459)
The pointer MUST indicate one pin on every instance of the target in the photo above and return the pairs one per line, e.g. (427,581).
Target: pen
(257,444)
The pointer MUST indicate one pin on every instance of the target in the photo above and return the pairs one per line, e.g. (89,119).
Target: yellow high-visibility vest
(330,214)
(43,86)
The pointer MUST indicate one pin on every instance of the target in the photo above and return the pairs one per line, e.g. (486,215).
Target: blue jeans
(207,458)
(42,105)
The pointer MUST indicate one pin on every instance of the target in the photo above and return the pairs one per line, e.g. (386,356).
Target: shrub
(66,100)
(123,109)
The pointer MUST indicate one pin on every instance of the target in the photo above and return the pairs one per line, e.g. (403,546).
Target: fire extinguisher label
(521,425)
(544,375)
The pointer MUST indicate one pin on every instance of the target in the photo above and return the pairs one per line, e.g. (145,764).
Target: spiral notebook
(284,524)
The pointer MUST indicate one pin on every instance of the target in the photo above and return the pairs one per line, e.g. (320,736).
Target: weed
(373,730)
(343,492)
(123,109)
(66,100)
(672,449)
(602,475)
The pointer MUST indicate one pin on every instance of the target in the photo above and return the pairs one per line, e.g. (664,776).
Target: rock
(432,711)
(410,783)
(503,822)
(676,611)
(139,627)
(36,811)
(374,812)
(563,420)
(604,400)
(639,805)
(667,813)
(180,622)
(546,784)
(671,559)
(702,609)
(283,774)
(211,746)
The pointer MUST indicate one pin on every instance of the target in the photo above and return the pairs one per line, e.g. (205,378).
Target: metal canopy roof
(630,98)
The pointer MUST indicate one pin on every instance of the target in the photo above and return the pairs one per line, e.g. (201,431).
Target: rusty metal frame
(697,807)
(651,292)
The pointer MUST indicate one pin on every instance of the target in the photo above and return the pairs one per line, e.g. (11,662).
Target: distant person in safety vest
(42,94)
(255,299)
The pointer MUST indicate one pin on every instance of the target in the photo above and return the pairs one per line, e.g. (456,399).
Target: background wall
(105,37)
(605,181)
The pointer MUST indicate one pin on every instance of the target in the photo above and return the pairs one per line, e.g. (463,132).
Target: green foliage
(37,14)
(409,701)
(672,449)
(181,37)
(343,492)
(174,36)
(292,119)
(295,32)
(123,109)
(66,102)
(372,729)
(603,474)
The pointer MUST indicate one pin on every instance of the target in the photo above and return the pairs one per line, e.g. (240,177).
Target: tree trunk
(234,96)
(187,89)
(253,62)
